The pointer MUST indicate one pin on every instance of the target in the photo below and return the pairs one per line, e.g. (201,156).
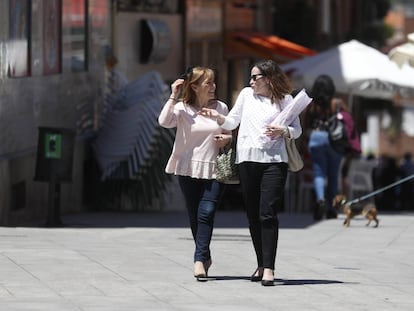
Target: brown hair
(279,82)
(195,76)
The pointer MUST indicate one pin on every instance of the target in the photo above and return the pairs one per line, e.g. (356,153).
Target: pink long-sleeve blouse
(194,152)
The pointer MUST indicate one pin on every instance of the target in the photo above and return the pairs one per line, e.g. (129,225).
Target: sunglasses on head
(256,76)
(188,72)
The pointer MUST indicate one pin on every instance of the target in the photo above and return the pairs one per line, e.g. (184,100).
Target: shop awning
(244,44)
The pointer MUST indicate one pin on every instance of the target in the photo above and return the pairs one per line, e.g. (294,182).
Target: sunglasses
(256,76)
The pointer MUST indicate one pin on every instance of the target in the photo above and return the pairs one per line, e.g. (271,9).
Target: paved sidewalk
(125,262)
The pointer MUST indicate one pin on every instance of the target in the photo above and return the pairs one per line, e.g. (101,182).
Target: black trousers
(263,185)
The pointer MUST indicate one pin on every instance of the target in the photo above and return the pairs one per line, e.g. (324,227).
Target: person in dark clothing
(384,174)
(407,188)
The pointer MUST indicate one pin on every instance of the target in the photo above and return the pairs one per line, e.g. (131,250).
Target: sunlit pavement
(144,261)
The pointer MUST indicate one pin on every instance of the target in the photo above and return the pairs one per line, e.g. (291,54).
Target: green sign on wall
(53,146)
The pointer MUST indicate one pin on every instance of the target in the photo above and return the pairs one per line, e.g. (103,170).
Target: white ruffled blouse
(252,113)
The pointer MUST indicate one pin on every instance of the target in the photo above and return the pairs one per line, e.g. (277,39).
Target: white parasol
(356,69)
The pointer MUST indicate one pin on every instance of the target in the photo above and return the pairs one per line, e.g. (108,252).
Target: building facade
(52,67)
(51,75)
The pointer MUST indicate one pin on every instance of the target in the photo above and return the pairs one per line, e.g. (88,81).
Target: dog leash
(379,190)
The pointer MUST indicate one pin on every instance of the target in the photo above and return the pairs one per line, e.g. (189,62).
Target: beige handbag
(295,162)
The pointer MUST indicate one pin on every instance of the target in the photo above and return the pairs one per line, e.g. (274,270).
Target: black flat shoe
(319,210)
(256,278)
(268,283)
(331,215)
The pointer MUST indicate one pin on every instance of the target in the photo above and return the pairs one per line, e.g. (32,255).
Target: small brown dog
(369,211)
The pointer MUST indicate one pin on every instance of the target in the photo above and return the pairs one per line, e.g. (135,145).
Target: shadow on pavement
(278,282)
(223,219)
(306,282)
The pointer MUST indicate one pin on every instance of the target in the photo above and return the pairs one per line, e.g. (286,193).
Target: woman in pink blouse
(196,146)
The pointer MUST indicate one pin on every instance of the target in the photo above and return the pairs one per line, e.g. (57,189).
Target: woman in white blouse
(262,167)
(196,146)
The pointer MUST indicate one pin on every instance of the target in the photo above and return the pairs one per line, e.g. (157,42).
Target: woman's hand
(209,113)
(273,131)
(223,140)
(175,88)
(213,114)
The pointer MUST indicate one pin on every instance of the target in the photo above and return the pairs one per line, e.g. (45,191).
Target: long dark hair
(322,92)
(279,82)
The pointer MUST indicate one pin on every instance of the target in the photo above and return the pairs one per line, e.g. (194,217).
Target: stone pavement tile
(37,304)
(25,290)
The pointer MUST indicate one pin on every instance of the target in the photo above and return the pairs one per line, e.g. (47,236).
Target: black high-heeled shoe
(257,278)
(207,265)
(199,271)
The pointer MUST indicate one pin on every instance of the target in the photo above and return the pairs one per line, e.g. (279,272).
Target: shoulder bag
(295,161)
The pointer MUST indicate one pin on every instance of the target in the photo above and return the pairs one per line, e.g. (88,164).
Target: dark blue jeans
(201,196)
(263,185)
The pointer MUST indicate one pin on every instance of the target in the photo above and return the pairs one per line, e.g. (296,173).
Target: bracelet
(173,98)
(285,131)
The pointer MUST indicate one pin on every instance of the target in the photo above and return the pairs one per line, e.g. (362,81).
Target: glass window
(74,35)
(18,47)
(51,37)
